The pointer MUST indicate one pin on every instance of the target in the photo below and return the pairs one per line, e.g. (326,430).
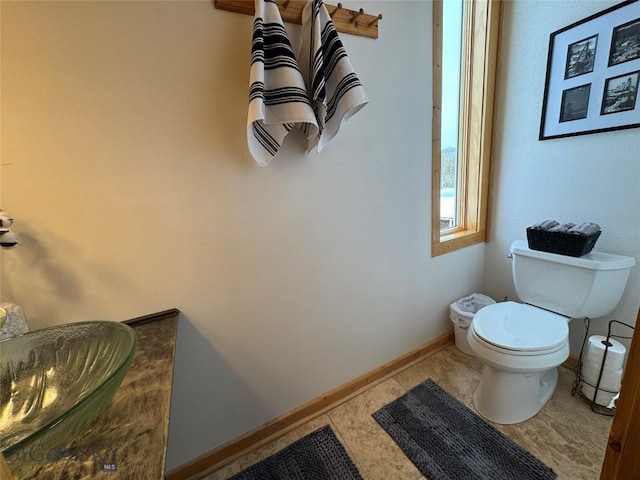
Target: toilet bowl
(522,344)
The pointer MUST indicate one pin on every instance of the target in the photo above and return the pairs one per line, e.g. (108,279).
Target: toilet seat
(520,329)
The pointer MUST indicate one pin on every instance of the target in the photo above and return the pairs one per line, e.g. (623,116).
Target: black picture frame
(593,74)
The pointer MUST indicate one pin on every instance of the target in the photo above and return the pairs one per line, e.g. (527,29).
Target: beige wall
(586,178)
(124,161)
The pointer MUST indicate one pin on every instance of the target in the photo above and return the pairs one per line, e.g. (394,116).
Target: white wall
(586,178)
(124,162)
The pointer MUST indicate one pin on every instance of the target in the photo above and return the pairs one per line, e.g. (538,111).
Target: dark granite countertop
(129,439)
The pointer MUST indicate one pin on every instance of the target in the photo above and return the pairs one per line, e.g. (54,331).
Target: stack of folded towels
(584,228)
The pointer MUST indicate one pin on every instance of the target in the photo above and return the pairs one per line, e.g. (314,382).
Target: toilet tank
(588,286)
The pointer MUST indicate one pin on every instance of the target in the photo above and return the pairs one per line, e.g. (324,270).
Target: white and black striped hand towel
(334,88)
(278,97)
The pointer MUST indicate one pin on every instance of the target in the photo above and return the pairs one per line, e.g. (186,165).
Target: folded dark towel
(585,228)
(564,228)
(546,225)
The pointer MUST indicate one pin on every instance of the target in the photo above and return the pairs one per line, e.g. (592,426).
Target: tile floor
(566,434)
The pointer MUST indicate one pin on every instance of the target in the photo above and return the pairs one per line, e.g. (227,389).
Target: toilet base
(509,397)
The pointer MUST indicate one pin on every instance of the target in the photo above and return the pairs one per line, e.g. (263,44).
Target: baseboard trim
(571,363)
(263,434)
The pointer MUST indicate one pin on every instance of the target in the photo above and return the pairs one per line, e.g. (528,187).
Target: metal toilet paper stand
(599,409)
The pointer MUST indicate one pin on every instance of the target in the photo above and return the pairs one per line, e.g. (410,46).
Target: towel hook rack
(346,21)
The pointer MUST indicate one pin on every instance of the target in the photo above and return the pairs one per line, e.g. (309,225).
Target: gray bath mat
(316,456)
(447,441)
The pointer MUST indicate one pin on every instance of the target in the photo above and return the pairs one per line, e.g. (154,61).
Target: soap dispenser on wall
(8,239)
(13,322)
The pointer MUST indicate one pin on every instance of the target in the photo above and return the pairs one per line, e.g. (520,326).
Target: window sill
(457,240)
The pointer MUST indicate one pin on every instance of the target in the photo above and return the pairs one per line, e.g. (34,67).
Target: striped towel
(278,98)
(335,90)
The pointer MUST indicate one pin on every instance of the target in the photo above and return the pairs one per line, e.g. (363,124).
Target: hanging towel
(278,97)
(334,88)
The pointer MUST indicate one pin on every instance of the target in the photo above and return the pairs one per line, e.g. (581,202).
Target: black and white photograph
(625,43)
(593,74)
(575,103)
(581,57)
(620,93)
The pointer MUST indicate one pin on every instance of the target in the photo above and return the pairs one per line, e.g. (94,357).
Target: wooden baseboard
(237,447)
(571,363)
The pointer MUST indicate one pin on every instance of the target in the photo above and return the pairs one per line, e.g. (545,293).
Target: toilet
(522,344)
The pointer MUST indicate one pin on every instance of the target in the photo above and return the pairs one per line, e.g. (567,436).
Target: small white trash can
(462,313)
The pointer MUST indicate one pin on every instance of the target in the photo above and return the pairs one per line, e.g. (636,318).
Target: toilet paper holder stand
(599,409)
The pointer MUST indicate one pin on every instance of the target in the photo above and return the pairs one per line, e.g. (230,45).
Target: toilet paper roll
(602,398)
(610,381)
(609,370)
(615,353)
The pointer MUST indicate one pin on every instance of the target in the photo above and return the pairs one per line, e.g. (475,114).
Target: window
(465,47)
(451,71)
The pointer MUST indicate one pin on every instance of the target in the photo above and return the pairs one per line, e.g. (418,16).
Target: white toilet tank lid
(592,260)
(520,327)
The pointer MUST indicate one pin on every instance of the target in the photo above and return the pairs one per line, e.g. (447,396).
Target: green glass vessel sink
(53,383)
